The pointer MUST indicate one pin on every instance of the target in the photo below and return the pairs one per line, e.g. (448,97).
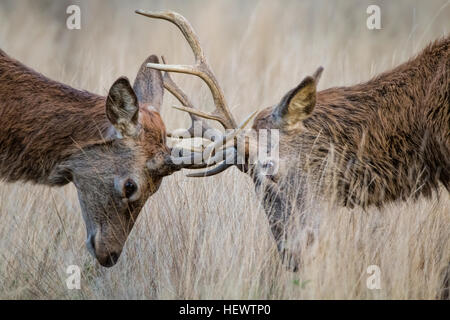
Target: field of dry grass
(209,238)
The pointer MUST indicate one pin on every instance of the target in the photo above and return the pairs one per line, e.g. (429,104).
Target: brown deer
(112,148)
(389,136)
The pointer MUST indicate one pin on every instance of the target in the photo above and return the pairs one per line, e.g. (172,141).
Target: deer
(389,136)
(113,148)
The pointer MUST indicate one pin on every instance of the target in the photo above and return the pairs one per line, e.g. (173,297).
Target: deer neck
(43,122)
(393,129)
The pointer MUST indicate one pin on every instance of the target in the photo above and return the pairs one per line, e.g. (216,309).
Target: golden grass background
(209,238)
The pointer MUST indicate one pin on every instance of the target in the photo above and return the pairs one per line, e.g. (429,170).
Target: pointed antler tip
(154,65)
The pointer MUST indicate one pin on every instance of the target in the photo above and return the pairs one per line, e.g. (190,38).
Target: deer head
(115,177)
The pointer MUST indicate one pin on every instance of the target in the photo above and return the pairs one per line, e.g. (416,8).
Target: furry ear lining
(122,108)
(302,100)
(298,104)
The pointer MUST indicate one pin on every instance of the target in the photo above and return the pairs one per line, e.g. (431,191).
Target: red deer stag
(112,148)
(390,136)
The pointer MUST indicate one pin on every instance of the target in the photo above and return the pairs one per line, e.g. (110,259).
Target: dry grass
(209,238)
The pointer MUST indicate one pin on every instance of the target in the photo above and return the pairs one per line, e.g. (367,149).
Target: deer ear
(122,108)
(299,103)
(149,85)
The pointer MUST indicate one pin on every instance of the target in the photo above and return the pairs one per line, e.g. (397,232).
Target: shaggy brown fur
(389,138)
(53,134)
(44,122)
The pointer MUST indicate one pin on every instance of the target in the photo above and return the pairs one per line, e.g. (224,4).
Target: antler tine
(224,165)
(216,170)
(176,91)
(200,69)
(182,24)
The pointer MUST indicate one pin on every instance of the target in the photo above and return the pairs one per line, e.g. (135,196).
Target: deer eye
(130,188)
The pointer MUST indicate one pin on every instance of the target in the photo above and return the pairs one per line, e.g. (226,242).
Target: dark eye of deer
(129,188)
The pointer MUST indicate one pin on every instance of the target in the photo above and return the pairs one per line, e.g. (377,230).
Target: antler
(221,113)
(175,90)
(200,69)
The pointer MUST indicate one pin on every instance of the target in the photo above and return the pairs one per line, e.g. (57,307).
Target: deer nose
(109,260)
(105,258)
(113,257)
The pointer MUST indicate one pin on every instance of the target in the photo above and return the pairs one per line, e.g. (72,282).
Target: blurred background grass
(209,238)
